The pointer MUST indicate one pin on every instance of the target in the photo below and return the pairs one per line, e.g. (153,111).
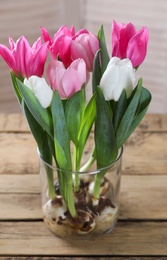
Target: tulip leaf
(35,127)
(119,109)
(16,89)
(105,140)
(39,113)
(61,135)
(96,73)
(74,109)
(143,106)
(104,53)
(129,114)
(86,124)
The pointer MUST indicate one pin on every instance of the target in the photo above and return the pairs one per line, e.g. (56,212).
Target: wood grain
(16,122)
(18,154)
(142,197)
(128,238)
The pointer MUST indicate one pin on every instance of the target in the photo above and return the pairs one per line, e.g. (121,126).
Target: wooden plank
(20,207)
(153,122)
(69,258)
(13,123)
(19,183)
(81,258)
(17,123)
(142,197)
(128,238)
(18,154)
(144,153)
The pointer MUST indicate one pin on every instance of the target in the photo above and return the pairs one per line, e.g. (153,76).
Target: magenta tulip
(67,81)
(60,44)
(69,46)
(129,43)
(24,59)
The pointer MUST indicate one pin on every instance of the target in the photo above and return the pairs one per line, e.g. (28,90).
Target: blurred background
(22,17)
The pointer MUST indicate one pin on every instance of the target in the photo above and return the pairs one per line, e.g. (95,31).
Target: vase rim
(92,172)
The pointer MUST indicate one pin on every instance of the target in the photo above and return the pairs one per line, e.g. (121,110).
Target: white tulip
(118,75)
(41,90)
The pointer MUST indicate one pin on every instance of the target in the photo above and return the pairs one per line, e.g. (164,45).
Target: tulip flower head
(67,81)
(129,43)
(59,46)
(41,90)
(118,75)
(84,45)
(68,45)
(24,59)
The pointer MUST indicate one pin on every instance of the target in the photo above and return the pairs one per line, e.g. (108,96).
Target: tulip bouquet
(53,98)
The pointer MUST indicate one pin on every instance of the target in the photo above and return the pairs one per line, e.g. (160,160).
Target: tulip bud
(118,75)
(24,59)
(129,43)
(41,90)
(67,81)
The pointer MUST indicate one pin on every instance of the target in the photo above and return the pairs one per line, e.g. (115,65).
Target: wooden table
(142,226)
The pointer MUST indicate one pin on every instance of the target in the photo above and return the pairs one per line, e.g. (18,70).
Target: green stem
(89,163)
(76,170)
(50,179)
(70,197)
(98,179)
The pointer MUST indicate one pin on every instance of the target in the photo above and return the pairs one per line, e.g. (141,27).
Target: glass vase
(94,204)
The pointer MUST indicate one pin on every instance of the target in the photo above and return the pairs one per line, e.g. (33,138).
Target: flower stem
(69,195)
(50,179)
(98,179)
(89,163)
(76,170)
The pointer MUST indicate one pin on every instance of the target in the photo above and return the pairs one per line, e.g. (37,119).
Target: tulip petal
(137,47)
(41,90)
(127,42)
(73,85)
(8,57)
(118,75)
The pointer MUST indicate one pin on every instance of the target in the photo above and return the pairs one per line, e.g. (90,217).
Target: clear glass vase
(94,204)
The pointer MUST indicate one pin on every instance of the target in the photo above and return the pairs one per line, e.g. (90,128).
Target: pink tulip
(85,45)
(69,46)
(24,59)
(127,42)
(67,81)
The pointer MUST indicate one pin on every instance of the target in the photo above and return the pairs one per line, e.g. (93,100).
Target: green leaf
(128,117)
(16,89)
(104,53)
(119,109)
(105,140)
(61,135)
(74,112)
(47,157)
(35,127)
(86,124)
(40,114)
(96,73)
(143,106)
